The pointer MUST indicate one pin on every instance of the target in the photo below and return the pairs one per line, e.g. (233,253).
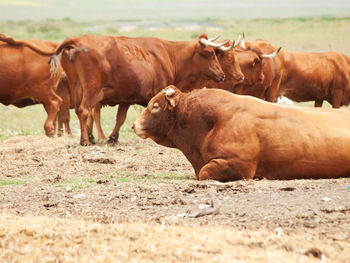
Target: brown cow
(262,72)
(229,65)
(229,137)
(316,77)
(126,71)
(25,76)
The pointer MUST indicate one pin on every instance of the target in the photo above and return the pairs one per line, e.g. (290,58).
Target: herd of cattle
(224,136)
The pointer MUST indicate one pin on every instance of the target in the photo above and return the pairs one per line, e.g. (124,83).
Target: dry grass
(45,239)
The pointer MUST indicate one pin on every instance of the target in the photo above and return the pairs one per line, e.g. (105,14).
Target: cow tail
(56,70)
(55,64)
(13,42)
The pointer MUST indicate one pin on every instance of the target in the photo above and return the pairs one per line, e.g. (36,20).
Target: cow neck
(182,53)
(179,119)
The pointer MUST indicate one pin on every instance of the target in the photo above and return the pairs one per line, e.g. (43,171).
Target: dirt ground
(139,182)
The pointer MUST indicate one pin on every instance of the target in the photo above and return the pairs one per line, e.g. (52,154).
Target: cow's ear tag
(169,95)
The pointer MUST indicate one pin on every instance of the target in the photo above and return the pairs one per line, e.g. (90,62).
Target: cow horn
(214,38)
(243,42)
(169,92)
(274,54)
(234,44)
(206,42)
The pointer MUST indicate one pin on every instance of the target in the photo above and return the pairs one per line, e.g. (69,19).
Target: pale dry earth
(140,202)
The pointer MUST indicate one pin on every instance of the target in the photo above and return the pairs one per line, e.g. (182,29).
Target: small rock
(278,231)
(78,196)
(69,189)
(203,206)
(181,215)
(326,199)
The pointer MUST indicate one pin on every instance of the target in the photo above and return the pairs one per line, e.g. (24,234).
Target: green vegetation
(11,183)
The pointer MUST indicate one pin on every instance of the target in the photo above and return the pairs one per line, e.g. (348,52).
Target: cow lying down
(231,137)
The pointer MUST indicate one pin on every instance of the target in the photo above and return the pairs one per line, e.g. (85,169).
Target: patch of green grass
(123,179)
(11,183)
(78,183)
(165,176)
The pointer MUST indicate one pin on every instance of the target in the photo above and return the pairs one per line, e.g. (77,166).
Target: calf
(229,137)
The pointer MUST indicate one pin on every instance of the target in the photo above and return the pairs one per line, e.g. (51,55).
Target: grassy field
(299,34)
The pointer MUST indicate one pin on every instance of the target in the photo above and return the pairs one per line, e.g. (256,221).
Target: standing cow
(229,137)
(229,65)
(25,76)
(316,77)
(126,71)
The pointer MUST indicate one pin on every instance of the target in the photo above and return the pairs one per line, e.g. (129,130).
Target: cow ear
(171,103)
(170,93)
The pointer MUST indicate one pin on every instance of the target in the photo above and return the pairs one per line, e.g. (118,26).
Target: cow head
(156,119)
(251,61)
(251,65)
(205,61)
(230,64)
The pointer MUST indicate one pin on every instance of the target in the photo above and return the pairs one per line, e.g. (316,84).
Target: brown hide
(316,77)
(262,76)
(229,137)
(126,71)
(25,76)
(63,116)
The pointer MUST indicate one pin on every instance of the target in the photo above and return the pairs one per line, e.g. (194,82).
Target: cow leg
(121,116)
(90,127)
(97,119)
(83,114)
(60,124)
(51,103)
(64,118)
(67,126)
(337,98)
(227,170)
(318,103)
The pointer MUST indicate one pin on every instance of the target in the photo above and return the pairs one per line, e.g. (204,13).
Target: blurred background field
(313,26)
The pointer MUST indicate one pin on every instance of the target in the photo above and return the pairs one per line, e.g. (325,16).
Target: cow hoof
(50,135)
(92,139)
(112,141)
(85,143)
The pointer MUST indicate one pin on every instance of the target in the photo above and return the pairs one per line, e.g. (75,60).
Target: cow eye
(155,108)
(218,52)
(207,53)
(255,62)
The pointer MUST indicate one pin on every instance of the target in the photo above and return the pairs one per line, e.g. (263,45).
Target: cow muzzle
(219,78)
(137,128)
(238,79)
